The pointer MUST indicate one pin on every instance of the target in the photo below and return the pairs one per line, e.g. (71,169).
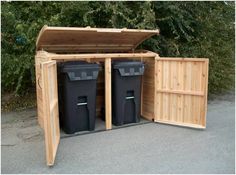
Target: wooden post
(108,102)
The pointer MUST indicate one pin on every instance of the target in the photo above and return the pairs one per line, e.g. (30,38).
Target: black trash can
(126,91)
(77,85)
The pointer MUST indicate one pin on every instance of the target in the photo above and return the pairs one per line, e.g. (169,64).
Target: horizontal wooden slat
(181,92)
(182,59)
(180,124)
(99,55)
(85,48)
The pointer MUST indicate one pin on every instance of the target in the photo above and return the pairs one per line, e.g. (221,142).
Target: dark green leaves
(187,29)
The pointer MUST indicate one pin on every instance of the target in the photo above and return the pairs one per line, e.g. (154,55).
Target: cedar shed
(173,90)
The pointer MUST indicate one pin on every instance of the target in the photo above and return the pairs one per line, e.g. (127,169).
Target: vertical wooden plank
(160,85)
(181,82)
(141,105)
(193,88)
(165,86)
(180,75)
(206,66)
(189,97)
(169,101)
(188,78)
(202,89)
(50,110)
(56,108)
(174,70)
(170,87)
(46,109)
(185,88)
(148,89)
(108,100)
(40,57)
(38,90)
(198,88)
(188,87)
(156,85)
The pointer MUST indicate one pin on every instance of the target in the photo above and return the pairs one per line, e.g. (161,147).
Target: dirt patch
(11,102)
(226,96)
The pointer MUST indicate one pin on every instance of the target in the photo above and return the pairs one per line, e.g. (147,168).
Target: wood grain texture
(40,57)
(87,39)
(169,86)
(181,90)
(148,89)
(108,101)
(84,56)
(50,110)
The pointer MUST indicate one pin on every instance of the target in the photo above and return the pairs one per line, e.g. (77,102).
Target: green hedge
(188,29)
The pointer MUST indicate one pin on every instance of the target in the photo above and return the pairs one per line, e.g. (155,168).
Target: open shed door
(181,91)
(50,109)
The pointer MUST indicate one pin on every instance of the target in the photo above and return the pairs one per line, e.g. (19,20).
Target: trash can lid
(80,70)
(75,65)
(121,64)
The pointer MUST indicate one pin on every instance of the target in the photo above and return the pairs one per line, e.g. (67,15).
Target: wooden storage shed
(174,90)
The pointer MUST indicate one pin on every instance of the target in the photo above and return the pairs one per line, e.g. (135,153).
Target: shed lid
(91,40)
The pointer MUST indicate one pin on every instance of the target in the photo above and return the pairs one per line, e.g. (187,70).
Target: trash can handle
(131,97)
(81,104)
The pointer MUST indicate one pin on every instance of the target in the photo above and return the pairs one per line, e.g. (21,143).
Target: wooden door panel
(181,91)
(50,110)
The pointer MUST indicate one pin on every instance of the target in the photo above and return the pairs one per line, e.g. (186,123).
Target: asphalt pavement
(145,148)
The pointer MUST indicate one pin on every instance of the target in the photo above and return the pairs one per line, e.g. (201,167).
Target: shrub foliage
(188,29)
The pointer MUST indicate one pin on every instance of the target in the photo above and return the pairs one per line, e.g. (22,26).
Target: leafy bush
(17,73)
(188,29)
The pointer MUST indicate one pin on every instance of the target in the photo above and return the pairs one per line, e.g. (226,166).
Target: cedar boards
(181,91)
(50,109)
(104,92)
(174,90)
(91,40)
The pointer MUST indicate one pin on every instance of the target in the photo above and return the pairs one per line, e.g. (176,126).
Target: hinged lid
(80,70)
(90,40)
(129,68)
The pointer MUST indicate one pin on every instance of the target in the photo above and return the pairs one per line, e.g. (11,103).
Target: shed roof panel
(91,40)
